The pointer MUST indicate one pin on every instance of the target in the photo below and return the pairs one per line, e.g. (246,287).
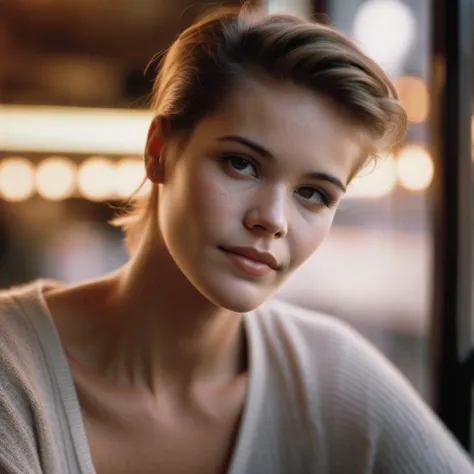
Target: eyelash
(229,159)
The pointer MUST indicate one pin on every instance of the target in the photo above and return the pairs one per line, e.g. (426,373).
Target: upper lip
(255,254)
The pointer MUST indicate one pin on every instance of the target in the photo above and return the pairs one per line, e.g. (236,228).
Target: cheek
(212,200)
(307,236)
(212,207)
(197,202)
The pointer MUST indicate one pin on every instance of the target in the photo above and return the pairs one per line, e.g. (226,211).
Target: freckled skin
(206,204)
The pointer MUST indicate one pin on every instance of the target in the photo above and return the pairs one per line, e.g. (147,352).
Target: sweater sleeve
(408,437)
(18,448)
(40,420)
(21,415)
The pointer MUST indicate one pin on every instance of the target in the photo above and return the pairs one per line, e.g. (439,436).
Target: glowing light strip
(73,130)
(302,7)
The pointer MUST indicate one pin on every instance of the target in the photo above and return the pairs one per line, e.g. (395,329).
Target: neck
(168,332)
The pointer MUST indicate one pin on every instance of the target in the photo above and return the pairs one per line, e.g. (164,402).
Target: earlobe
(154,168)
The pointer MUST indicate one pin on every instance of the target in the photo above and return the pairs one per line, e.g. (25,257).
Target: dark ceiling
(86,52)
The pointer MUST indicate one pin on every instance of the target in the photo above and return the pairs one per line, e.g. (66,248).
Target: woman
(173,363)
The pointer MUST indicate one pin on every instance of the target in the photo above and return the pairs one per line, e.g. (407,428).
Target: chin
(237,296)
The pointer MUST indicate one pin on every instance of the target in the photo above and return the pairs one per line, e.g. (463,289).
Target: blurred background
(73,120)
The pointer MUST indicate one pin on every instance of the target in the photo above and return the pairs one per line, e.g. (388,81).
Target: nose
(267,213)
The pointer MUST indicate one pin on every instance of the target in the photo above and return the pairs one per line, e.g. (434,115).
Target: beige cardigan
(320,400)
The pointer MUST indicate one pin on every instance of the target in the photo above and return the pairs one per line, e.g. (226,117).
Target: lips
(254,254)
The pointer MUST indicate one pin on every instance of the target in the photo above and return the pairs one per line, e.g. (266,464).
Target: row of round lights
(100,178)
(412,169)
(57,178)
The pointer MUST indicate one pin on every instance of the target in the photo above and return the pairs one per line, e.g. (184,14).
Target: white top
(320,400)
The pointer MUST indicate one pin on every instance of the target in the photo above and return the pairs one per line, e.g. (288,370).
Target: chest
(149,439)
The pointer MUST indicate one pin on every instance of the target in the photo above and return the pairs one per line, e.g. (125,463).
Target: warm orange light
(415,168)
(17,179)
(95,179)
(73,129)
(130,173)
(375,183)
(414,97)
(56,178)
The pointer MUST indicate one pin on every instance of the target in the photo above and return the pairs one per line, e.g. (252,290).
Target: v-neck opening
(62,373)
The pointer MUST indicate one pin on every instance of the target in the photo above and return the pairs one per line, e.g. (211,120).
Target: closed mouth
(254,254)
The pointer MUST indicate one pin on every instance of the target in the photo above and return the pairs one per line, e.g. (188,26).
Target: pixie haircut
(212,55)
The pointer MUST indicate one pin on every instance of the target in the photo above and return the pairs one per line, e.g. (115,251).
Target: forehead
(291,122)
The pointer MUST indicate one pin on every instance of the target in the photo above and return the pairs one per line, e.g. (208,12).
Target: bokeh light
(385,30)
(414,97)
(377,182)
(17,179)
(415,168)
(56,178)
(95,179)
(130,173)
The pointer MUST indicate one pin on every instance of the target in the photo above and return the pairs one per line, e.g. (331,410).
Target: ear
(153,151)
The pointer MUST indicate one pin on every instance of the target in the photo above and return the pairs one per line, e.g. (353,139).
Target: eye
(313,196)
(240,165)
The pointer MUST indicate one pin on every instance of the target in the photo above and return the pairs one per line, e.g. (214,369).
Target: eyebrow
(248,143)
(266,154)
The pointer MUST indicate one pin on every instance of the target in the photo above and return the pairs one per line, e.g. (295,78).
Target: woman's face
(254,191)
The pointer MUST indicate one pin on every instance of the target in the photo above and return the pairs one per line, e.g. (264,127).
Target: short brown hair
(210,56)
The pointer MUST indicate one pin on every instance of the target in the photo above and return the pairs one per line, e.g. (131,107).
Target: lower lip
(249,266)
